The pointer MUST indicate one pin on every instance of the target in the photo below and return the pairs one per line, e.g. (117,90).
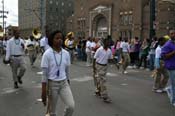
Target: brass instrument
(36,33)
(70,36)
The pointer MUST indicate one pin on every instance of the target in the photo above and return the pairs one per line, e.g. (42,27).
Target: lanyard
(58,65)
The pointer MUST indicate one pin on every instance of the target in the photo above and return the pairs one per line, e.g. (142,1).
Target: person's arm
(67,74)
(169,55)
(67,68)
(45,76)
(44,85)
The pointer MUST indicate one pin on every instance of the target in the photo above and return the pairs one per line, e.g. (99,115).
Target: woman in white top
(55,64)
(125,55)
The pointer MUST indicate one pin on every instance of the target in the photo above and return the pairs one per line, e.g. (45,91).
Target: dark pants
(143,59)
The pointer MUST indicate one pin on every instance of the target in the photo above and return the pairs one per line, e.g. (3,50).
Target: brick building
(120,18)
(54,14)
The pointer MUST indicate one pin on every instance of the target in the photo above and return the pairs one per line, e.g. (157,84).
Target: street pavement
(131,93)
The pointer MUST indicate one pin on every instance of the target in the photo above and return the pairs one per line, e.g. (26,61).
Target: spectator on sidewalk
(168,53)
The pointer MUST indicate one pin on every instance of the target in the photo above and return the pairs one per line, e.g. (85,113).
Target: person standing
(55,82)
(102,55)
(88,52)
(168,54)
(153,47)
(15,55)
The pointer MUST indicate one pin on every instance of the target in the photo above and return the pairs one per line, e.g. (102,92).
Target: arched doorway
(100,26)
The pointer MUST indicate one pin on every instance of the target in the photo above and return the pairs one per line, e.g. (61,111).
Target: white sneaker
(130,67)
(158,91)
(174,105)
(125,72)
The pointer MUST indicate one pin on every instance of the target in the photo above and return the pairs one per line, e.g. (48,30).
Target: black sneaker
(19,80)
(107,100)
(16,85)
(97,93)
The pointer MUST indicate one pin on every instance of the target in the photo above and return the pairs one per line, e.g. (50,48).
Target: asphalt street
(131,93)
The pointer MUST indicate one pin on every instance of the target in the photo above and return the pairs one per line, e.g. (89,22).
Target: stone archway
(100,21)
(100,26)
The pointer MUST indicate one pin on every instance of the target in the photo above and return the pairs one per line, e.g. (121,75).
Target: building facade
(57,13)
(41,13)
(29,16)
(120,18)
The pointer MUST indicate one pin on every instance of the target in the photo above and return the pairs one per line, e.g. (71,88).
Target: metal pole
(152,18)
(3,15)
(42,16)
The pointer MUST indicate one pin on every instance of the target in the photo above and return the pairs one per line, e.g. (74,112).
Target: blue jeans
(172,84)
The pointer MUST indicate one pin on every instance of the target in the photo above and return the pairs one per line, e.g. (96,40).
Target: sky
(12,16)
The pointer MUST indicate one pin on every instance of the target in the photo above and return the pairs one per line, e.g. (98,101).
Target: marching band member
(31,46)
(94,46)
(44,42)
(55,82)
(14,56)
(70,44)
(102,55)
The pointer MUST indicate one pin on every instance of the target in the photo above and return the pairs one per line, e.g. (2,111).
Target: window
(62,3)
(125,20)
(51,2)
(130,19)
(57,3)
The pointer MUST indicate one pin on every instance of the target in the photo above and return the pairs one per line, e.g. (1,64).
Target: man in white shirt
(94,46)
(70,44)
(44,42)
(15,55)
(102,55)
(31,46)
(88,52)
(55,82)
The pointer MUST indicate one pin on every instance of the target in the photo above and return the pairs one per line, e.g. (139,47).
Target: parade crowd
(58,53)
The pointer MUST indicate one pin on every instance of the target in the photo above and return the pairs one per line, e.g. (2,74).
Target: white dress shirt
(158,52)
(44,43)
(88,46)
(102,55)
(14,47)
(125,47)
(55,61)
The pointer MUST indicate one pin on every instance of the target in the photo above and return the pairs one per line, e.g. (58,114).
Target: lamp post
(152,19)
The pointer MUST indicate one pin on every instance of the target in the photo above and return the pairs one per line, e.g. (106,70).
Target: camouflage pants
(101,80)
(126,60)
(161,77)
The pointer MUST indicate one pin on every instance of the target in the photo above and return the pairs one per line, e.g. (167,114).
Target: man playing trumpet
(70,44)
(31,47)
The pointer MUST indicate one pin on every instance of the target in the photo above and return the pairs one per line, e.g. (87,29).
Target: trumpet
(36,33)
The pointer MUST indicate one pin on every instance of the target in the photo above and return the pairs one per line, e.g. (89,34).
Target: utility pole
(42,11)
(3,16)
(152,18)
